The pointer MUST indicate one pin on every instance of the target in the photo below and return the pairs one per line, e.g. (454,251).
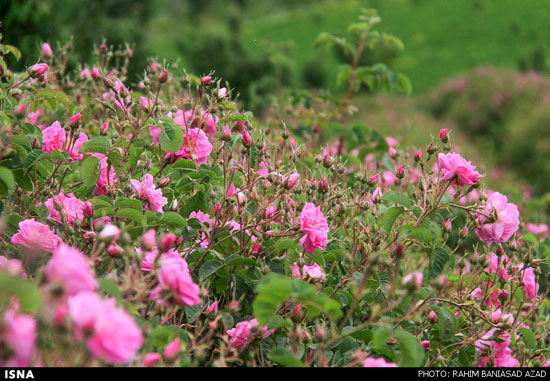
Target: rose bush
(162,225)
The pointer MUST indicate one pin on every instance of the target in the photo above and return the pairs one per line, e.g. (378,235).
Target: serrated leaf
(438,260)
(6,176)
(131,214)
(388,219)
(398,198)
(129,203)
(90,170)
(171,136)
(411,353)
(98,145)
(109,287)
(284,357)
(208,269)
(173,219)
(529,338)
(240,261)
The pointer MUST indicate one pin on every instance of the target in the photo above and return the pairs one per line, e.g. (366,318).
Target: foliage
(208,236)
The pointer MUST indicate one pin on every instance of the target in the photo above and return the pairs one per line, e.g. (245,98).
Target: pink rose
(530,285)
(19,333)
(504,225)
(72,207)
(53,138)
(34,234)
(174,276)
(149,259)
(315,227)
(116,337)
(69,266)
(12,266)
(83,310)
(151,359)
(241,335)
(371,362)
(105,180)
(414,278)
(454,167)
(196,146)
(77,146)
(313,272)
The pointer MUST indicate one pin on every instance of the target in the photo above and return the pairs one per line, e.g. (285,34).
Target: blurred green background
(478,66)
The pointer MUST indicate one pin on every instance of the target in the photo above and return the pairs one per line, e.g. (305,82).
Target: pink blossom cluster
(110,333)
(245,332)
(147,189)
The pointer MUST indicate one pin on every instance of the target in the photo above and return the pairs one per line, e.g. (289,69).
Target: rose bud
(149,239)
(95,73)
(322,186)
(447,226)
(75,120)
(372,180)
(418,155)
(400,172)
(167,242)
(88,209)
(46,50)
(206,80)
(38,70)
(163,76)
(443,135)
(172,348)
(222,93)
(247,139)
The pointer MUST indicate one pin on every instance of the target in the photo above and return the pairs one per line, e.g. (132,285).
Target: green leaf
(90,170)
(529,238)
(528,338)
(272,290)
(240,261)
(421,234)
(195,203)
(411,353)
(188,165)
(380,337)
(398,198)
(438,260)
(27,293)
(32,157)
(171,136)
(173,220)
(447,322)
(388,219)
(208,269)
(284,357)
(129,203)
(131,214)
(7,177)
(109,287)
(98,145)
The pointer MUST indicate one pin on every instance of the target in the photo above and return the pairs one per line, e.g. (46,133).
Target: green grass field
(441,37)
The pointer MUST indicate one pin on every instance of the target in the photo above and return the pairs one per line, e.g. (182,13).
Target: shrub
(162,225)
(505,108)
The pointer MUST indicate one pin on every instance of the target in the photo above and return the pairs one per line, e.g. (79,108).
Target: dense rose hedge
(160,224)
